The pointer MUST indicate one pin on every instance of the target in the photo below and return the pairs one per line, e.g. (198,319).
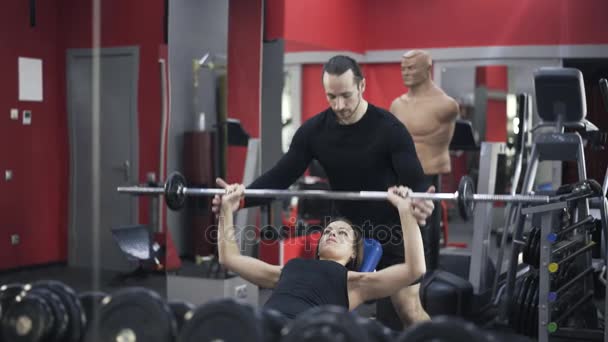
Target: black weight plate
(526,249)
(520,301)
(527,297)
(513,302)
(59,330)
(466,190)
(513,306)
(133,314)
(325,323)
(90,302)
(443,329)
(525,317)
(221,320)
(514,322)
(179,310)
(175,182)
(533,314)
(76,318)
(8,292)
(273,324)
(376,331)
(534,251)
(28,320)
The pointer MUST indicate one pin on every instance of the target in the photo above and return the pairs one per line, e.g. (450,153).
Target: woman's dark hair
(354,264)
(340,64)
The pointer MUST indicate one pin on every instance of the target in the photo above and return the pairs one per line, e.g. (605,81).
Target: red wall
(425,24)
(314,25)
(384,83)
(35,203)
(244,75)
(274,19)
(360,25)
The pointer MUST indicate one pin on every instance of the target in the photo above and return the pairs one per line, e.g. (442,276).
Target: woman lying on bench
(331,278)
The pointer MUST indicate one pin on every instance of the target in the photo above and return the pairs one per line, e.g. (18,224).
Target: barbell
(175,192)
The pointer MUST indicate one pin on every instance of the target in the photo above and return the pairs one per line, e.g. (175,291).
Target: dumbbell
(8,292)
(230,321)
(273,324)
(326,323)
(44,311)
(91,303)
(444,329)
(179,310)
(376,331)
(133,314)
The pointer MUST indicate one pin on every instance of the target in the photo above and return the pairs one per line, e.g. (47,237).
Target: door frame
(73,54)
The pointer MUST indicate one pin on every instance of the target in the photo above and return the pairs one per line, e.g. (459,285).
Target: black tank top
(309,283)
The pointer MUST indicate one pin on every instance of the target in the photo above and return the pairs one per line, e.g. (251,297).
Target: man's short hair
(340,64)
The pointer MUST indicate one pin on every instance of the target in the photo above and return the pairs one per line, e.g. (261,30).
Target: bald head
(416,67)
(419,57)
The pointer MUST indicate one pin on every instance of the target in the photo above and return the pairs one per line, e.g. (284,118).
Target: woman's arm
(372,285)
(251,269)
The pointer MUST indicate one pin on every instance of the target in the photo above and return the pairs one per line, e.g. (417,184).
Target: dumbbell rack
(548,298)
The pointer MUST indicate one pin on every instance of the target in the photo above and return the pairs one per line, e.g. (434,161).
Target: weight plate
(325,323)
(513,301)
(173,197)
(75,319)
(221,320)
(520,301)
(28,320)
(526,249)
(59,329)
(376,331)
(8,292)
(532,290)
(443,328)
(179,310)
(273,324)
(466,204)
(533,331)
(535,249)
(91,304)
(133,314)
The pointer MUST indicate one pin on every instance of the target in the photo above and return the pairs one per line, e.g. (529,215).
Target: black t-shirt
(305,284)
(370,155)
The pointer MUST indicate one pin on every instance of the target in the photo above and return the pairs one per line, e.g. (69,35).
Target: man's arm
(409,170)
(405,159)
(289,168)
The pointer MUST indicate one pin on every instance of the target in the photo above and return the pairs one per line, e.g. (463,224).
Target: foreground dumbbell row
(51,311)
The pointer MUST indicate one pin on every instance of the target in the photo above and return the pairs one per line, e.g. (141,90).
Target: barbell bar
(175,192)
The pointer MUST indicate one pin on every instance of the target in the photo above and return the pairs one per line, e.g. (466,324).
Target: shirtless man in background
(429,114)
